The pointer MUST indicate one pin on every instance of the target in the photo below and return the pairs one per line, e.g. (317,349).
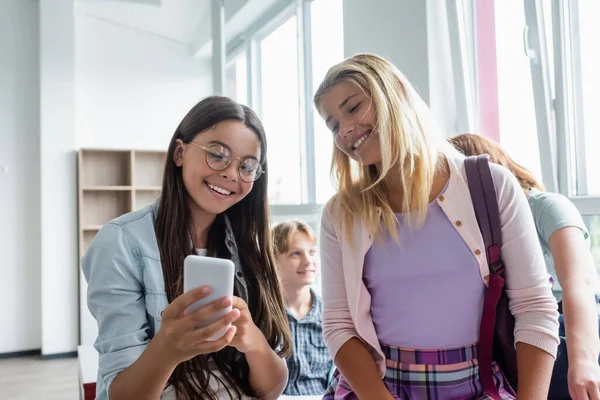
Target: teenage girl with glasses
(213,202)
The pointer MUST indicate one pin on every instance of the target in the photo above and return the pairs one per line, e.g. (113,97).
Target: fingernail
(205,290)
(226,301)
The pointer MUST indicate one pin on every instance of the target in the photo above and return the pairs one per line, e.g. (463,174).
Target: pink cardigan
(347,302)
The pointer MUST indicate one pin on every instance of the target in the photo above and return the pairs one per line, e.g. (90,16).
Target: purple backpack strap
(485,203)
(483,196)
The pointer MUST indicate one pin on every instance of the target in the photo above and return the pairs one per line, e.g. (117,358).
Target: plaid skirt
(429,375)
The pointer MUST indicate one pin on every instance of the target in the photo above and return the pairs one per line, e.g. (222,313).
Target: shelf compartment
(105,168)
(148,168)
(100,207)
(144,197)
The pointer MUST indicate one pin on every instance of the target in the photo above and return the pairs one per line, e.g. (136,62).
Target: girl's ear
(178,153)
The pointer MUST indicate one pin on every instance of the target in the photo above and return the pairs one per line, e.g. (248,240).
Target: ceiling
(177,20)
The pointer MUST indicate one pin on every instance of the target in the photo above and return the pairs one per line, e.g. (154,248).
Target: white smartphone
(218,274)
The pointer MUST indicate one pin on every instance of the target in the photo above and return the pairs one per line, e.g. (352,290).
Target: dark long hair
(250,224)
(473,145)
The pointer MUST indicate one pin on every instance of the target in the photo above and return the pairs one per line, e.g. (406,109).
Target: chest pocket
(156,301)
(155,294)
(317,357)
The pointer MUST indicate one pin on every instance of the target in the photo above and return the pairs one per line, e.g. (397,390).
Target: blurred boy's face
(298,264)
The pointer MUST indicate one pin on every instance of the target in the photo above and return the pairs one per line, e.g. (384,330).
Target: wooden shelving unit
(115,182)
(111,183)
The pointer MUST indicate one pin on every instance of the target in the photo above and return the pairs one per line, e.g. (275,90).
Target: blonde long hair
(409,140)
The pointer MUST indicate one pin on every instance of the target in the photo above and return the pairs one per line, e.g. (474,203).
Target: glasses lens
(250,170)
(217,157)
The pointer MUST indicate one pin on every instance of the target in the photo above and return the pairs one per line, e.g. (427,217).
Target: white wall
(19,177)
(60,333)
(132,88)
(70,81)
(394,29)
(414,36)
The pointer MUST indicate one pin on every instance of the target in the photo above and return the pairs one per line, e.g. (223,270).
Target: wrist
(163,352)
(260,346)
(581,349)
(585,356)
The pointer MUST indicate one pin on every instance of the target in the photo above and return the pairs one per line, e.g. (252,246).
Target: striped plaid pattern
(429,375)
(310,365)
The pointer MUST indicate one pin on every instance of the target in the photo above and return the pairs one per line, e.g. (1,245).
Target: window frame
(249,42)
(534,47)
(568,106)
(461,22)
(559,118)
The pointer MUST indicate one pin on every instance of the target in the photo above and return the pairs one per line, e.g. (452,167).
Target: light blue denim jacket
(126,289)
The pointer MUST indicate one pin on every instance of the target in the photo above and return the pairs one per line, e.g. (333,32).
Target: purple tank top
(427,293)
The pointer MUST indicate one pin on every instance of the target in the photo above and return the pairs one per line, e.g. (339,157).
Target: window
(275,67)
(327,50)
(589,32)
(547,63)
(547,15)
(279,87)
(236,80)
(518,129)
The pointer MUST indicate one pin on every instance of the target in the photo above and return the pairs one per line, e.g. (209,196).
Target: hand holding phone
(179,337)
(216,273)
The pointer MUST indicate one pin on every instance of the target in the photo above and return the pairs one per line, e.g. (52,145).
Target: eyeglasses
(219,157)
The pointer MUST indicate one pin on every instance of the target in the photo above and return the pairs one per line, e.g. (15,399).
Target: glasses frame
(207,150)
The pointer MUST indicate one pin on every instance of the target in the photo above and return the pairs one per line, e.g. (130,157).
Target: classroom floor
(30,378)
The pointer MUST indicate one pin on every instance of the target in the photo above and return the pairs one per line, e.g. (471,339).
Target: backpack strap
(485,204)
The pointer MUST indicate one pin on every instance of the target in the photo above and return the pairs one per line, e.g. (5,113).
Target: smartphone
(218,274)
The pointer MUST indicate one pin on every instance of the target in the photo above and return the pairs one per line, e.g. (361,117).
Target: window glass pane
(241,79)
(327,50)
(589,10)
(518,129)
(466,21)
(236,84)
(547,14)
(280,113)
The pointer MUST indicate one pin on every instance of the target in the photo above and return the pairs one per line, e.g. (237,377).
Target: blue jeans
(559,387)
